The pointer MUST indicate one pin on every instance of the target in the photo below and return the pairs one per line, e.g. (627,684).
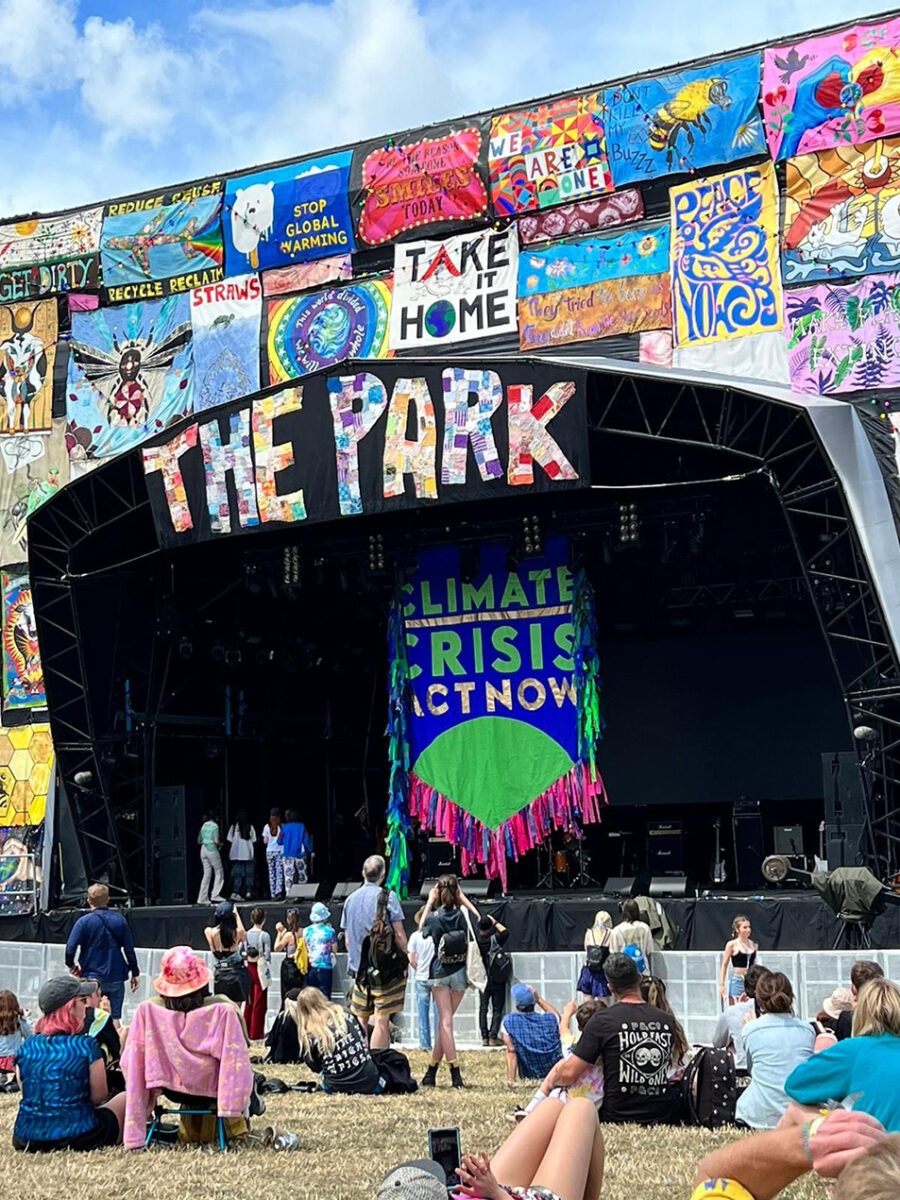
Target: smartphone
(443,1147)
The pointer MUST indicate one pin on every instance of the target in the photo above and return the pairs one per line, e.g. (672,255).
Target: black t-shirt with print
(349,1066)
(633,1042)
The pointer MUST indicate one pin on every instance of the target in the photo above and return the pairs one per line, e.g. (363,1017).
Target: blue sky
(103,97)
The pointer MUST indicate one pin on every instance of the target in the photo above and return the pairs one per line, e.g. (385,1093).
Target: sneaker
(429,1079)
(214,900)
(235,896)
(456,1080)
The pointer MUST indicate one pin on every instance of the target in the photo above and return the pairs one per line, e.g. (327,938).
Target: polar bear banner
(252,218)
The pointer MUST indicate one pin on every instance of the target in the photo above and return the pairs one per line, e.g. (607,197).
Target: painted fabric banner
(845,338)
(643,250)
(676,123)
(545,156)
(157,246)
(28,338)
(456,290)
(580,217)
(130,375)
(307,333)
(23,675)
(300,277)
(842,212)
(837,88)
(431,183)
(225,318)
(493,707)
(26,788)
(725,276)
(43,255)
(288,214)
(32,467)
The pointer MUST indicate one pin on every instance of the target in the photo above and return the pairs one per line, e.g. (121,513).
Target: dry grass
(347,1144)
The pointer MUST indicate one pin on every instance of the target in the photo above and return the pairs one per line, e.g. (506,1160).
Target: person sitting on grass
(849,1146)
(861,973)
(63,1077)
(14,1029)
(590,1083)
(776,1042)
(531,1038)
(98,1024)
(332,1043)
(653,990)
(730,1027)
(556,1153)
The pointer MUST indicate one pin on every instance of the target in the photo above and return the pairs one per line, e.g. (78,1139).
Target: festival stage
(537,922)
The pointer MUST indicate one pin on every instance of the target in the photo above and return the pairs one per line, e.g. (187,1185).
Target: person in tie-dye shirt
(321,944)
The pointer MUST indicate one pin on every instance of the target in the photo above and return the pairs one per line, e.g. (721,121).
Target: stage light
(290,566)
(376,553)
(628,524)
(83,779)
(865,733)
(532,537)
(743,614)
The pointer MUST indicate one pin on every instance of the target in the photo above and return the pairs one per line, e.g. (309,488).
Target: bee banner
(130,375)
(157,246)
(225,318)
(726,280)
(838,88)
(430,183)
(32,467)
(673,124)
(844,338)
(23,675)
(28,339)
(41,256)
(842,212)
(291,214)
(493,671)
(547,155)
(309,332)
(457,290)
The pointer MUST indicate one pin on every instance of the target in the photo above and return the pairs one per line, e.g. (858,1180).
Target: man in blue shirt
(104,946)
(532,1039)
(295,845)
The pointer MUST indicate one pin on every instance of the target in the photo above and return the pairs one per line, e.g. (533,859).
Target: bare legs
(447,1003)
(557,1146)
(381,1031)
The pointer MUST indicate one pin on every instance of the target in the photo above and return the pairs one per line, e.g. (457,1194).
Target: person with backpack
(490,939)
(104,947)
(592,982)
(449,927)
(377,961)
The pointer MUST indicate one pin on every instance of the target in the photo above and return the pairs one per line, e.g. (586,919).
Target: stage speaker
(844,846)
(748,848)
(620,885)
(174,812)
(304,891)
(173,875)
(343,890)
(479,889)
(789,840)
(440,857)
(842,789)
(676,887)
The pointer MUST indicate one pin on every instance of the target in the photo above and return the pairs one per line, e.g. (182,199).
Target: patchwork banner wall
(288,214)
(157,246)
(836,88)
(130,375)
(225,319)
(307,333)
(28,339)
(23,675)
(488,681)
(43,255)
(670,124)
(457,290)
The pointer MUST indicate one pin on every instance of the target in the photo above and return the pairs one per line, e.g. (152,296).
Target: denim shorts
(456,982)
(736,986)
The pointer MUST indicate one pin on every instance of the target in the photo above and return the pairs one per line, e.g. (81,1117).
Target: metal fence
(691,978)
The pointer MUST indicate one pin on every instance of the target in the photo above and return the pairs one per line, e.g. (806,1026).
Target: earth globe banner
(307,333)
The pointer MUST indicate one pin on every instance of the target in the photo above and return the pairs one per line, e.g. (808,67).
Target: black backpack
(385,962)
(710,1090)
(453,947)
(499,963)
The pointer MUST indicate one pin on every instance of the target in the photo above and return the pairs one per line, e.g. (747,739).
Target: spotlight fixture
(376,553)
(532,537)
(290,566)
(628,524)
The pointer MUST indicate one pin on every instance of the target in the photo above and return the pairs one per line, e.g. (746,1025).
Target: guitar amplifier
(665,848)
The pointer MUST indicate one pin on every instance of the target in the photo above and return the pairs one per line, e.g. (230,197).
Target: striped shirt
(56,1087)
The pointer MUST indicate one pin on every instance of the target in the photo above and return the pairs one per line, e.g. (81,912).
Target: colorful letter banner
(225,318)
(431,183)
(156,246)
(725,276)
(580,217)
(548,155)
(130,375)
(288,214)
(28,334)
(840,87)
(23,676)
(457,290)
(43,255)
(32,467)
(309,332)
(300,277)
(675,123)
(842,212)
(845,339)
(643,250)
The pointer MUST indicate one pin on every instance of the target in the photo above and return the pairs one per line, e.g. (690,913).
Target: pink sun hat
(181,972)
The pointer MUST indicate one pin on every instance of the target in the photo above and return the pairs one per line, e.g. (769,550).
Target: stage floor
(536,921)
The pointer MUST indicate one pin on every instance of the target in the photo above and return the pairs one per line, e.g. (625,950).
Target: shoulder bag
(476,972)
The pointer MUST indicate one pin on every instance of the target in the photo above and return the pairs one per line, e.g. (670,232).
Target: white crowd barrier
(691,978)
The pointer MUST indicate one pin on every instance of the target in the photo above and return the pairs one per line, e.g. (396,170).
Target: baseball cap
(421,1179)
(59,991)
(224,909)
(522,995)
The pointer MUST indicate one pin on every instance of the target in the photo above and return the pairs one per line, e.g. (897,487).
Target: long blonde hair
(877,1009)
(317,1020)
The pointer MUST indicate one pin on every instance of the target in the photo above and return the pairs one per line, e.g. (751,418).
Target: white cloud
(38,39)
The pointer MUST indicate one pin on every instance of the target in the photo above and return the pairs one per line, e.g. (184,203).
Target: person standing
(421,952)
(357,919)
(321,947)
(632,931)
(740,951)
(259,964)
(271,836)
(210,860)
(104,947)
(241,839)
(490,937)
(449,928)
(295,845)
(286,938)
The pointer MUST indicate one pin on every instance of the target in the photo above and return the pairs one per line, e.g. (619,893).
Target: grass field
(347,1144)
